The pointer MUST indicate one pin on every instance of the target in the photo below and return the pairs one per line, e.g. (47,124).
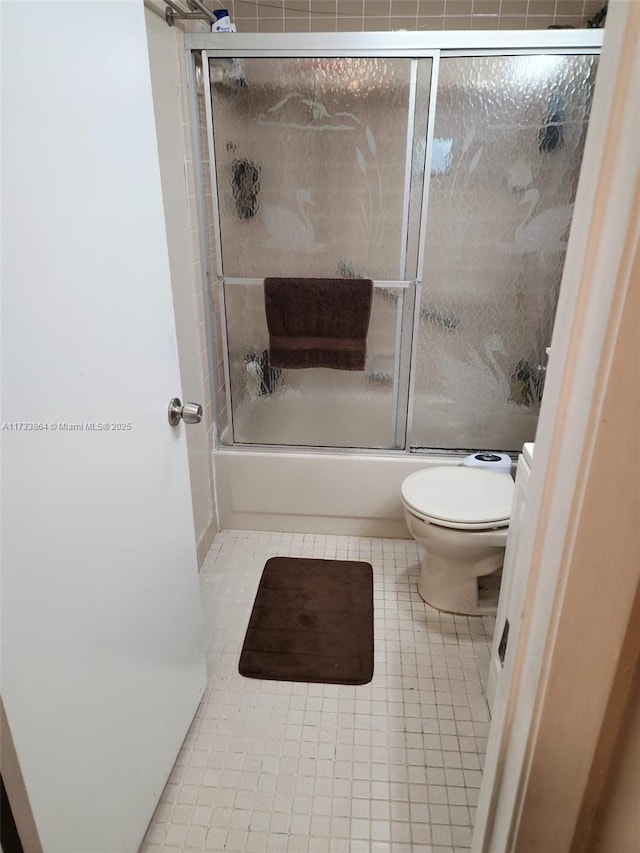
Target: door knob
(191,413)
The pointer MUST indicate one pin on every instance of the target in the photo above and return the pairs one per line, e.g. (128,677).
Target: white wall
(166,57)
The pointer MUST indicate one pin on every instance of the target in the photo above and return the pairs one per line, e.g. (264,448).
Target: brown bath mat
(312,620)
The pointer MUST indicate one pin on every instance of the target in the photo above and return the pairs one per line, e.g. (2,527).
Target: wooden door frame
(16,789)
(566,685)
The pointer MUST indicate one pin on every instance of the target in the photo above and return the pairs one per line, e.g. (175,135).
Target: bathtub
(346,493)
(306,492)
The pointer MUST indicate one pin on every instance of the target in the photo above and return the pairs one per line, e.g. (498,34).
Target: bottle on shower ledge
(222,23)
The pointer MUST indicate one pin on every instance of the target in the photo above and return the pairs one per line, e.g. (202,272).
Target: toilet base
(453,589)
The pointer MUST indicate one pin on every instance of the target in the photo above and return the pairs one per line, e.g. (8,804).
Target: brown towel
(318,322)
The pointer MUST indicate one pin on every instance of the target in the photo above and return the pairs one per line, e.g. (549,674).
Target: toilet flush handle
(191,413)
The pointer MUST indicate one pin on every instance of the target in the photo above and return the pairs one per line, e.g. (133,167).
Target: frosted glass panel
(509,135)
(317,407)
(311,165)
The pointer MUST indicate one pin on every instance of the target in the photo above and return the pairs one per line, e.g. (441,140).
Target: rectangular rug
(312,621)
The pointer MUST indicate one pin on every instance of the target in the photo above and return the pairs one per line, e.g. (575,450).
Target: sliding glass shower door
(320,169)
(507,150)
(320,172)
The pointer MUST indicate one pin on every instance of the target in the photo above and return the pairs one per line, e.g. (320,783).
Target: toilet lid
(457,496)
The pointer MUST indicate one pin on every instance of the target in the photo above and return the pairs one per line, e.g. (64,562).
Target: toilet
(460,515)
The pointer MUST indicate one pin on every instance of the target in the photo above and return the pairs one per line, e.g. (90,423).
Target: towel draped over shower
(318,322)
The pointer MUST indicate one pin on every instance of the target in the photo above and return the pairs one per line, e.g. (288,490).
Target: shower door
(507,150)
(319,173)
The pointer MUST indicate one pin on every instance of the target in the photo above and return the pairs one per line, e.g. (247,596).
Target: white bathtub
(348,494)
(357,495)
(341,492)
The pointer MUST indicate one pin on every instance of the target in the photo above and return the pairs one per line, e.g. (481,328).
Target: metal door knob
(191,413)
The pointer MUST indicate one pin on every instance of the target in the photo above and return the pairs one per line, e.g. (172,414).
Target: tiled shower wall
(277,16)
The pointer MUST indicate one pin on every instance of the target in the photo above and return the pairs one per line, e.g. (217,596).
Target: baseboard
(206,541)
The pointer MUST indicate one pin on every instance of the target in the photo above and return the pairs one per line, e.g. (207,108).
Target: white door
(102,660)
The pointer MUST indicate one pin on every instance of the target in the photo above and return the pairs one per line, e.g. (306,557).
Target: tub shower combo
(443,166)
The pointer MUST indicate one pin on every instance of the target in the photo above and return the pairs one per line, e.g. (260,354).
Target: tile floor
(393,766)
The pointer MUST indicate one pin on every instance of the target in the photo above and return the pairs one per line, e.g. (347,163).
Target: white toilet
(460,515)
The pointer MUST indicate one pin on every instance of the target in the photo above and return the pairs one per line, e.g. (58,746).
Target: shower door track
(397,285)
(411,45)
(400,44)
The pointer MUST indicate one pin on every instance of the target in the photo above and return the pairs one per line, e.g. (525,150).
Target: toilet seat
(459,497)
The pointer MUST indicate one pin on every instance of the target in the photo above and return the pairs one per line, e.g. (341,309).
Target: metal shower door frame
(412,46)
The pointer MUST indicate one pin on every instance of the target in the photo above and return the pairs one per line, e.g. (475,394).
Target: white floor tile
(276,767)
